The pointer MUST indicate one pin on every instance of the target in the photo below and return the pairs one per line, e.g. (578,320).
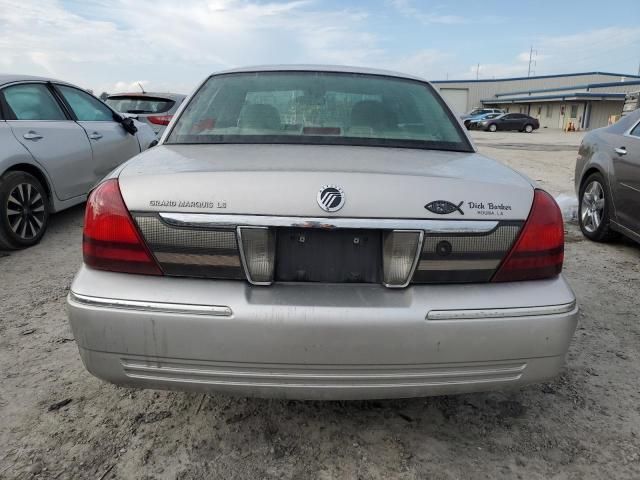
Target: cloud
(602,49)
(96,44)
(426,63)
(406,8)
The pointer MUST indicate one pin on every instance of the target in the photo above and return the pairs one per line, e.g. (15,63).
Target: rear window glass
(135,104)
(318,108)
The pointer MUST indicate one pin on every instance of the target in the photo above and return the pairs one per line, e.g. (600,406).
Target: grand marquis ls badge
(331,198)
(443,207)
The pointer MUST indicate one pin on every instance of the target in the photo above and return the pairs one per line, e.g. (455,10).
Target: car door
(110,143)
(517,121)
(39,122)
(505,122)
(626,164)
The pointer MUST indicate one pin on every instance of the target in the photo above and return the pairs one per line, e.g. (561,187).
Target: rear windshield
(318,108)
(136,104)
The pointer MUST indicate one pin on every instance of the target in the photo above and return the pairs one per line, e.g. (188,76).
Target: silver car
(320,233)
(56,142)
(155,109)
(607,180)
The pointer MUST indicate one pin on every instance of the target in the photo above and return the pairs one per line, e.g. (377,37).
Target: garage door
(457,98)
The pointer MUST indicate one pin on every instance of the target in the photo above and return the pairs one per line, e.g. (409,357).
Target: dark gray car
(608,180)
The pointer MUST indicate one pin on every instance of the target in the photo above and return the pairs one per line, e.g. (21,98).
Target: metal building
(587,100)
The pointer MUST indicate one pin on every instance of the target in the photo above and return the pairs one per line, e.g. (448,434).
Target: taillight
(110,239)
(160,119)
(539,250)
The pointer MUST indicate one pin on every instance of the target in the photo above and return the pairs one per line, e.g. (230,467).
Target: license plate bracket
(328,256)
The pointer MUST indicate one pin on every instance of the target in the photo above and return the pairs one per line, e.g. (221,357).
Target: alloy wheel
(592,206)
(25,211)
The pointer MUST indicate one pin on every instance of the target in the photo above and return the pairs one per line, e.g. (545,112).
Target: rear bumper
(319,341)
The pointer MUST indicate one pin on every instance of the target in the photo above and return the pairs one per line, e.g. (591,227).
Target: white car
(320,232)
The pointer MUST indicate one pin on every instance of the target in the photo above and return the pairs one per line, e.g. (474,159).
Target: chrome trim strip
(203,371)
(500,312)
(416,258)
(161,307)
(213,220)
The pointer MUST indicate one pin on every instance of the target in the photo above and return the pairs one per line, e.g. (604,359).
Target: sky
(171,45)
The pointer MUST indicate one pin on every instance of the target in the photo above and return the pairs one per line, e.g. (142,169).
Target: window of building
(549,110)
(574,111)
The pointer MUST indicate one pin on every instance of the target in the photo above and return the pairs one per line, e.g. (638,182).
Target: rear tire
(528,128)
(594,209)
(24,210)
(493,127)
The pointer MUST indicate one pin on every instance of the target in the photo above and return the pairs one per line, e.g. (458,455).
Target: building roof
(559,75)
(586,86)
(550,98)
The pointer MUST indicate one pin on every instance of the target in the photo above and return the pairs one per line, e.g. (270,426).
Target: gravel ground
(57,421)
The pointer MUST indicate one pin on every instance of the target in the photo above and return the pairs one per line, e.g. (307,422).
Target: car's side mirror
(129,125)
(153,143)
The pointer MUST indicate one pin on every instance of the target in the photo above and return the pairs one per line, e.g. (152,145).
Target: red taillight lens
(160,119)
(539,250)
(110,239)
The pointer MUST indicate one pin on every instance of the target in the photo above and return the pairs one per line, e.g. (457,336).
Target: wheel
(493,127)
(528,128)
(24,212)
(594,209)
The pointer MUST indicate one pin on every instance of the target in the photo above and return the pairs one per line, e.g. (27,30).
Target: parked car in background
(507,121)
(56,142)
(607,179)
(481,111)
(320,232)
(155,109)
(478,118)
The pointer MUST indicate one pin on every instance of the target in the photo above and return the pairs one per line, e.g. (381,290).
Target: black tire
(528,128)
(492,127)
(22,227)
(601,232)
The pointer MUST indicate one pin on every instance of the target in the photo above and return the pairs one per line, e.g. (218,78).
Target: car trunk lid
(460,212)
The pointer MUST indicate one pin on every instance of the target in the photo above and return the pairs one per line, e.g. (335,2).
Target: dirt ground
(57,421)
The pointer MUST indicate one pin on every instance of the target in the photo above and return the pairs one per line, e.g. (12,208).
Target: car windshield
(137,104)
(318,108)
(479,112)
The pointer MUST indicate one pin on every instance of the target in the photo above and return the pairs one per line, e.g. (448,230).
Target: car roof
(11,78)
(320,68)
(171,96)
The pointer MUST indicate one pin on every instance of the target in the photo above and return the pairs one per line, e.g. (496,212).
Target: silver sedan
(607,180)
(320,232)
(56,142)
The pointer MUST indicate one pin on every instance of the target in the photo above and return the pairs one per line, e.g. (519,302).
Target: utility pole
(532,60)
(478,72)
